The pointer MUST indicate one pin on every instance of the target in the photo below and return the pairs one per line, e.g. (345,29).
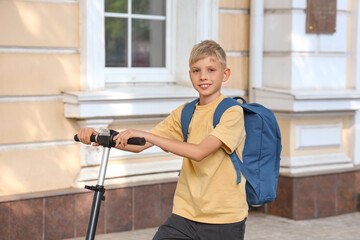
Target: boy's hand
(123,137)
(84,135)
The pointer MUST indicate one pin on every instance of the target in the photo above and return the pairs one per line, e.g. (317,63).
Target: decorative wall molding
(308,115)
(33,145)
(130,173)
(131,169)
(308,100)
(39,50)
(234,11)
(318,136)
(38,98)
(314,160)
(237,54)
(296,166)
(129,181)
(91,156)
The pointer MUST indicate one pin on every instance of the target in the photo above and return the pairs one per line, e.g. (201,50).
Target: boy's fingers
(84,135)
(117,140)
(124,139)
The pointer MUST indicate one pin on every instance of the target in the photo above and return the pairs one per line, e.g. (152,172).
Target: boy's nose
(203,76)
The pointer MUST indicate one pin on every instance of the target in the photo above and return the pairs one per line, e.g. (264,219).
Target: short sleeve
(231,130)
(170,127)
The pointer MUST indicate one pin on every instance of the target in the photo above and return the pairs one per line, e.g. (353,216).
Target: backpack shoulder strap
(225,104)
(186,116)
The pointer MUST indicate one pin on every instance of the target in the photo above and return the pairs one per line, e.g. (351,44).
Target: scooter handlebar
(111,142)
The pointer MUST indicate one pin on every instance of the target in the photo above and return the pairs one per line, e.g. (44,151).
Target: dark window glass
(151,7)
(116,6)
(116,42)
(148,43)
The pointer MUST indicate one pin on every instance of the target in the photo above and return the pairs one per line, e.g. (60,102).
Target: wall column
(308,81)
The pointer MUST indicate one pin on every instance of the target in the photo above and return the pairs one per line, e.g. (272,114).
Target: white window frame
(148,74)
(201,14)
(93,74)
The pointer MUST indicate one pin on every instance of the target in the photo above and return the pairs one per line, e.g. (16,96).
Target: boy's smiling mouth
(204,86)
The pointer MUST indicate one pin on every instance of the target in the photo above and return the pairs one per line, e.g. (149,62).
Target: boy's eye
(196,70)
(211,70)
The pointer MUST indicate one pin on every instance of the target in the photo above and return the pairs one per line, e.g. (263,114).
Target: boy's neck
(204,100)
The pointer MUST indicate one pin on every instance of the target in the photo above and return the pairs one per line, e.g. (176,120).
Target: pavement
(261,226)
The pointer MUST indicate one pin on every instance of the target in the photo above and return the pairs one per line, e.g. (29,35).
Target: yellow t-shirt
(207,191)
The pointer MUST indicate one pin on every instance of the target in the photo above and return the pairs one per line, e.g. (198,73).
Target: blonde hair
(207,48)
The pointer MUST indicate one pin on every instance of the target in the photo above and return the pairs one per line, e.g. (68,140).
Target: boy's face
(207,76)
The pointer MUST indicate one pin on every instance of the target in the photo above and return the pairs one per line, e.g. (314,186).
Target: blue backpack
(261,154)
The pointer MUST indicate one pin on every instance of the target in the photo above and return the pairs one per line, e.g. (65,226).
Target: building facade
(60,70)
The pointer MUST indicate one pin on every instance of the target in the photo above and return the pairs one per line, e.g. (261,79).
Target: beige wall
(38,169)
(27,122)
(241,4)
(235,41)
(39,59)
(39,24)
(38,74)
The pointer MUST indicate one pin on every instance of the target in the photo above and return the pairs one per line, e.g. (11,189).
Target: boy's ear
(227,73)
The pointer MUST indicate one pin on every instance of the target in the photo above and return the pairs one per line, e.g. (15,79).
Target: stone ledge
(308,100)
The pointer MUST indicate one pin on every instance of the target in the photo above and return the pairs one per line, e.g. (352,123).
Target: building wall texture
(309,80)
(39,59)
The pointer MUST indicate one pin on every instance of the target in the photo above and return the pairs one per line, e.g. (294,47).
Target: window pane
(116,42)
(148,43)
(116,6)
(152,7)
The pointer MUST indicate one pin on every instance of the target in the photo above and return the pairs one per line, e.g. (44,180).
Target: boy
(208,203)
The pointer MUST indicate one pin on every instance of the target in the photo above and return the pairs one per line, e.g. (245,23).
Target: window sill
(129,102)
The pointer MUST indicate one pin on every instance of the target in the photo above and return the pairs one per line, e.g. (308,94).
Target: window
(138,37)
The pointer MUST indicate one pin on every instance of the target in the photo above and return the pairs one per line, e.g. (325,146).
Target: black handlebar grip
(132,141)
(137,141)
(92,138)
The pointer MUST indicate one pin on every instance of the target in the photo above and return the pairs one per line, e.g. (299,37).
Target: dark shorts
(177,227)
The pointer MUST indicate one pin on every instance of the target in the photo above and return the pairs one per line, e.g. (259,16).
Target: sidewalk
(261,226)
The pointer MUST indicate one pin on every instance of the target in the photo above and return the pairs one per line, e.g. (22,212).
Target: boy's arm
(85,133)
(196,152)
(134,148)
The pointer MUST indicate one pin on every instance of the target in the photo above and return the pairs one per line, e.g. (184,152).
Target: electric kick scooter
(105,139)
